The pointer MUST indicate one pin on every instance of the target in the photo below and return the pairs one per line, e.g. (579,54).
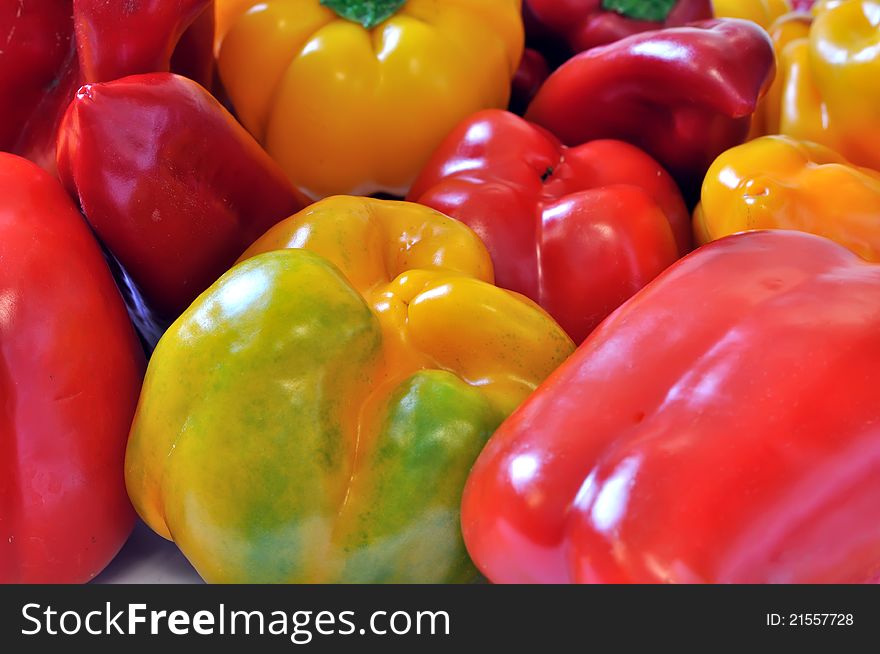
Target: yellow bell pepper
(763,12)
(827,88)
(314,415)
(349,101)
(845,56)
(786,29)
(777,182)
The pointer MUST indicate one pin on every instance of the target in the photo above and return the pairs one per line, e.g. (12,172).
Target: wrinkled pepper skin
(585,24)
(723,426)
(313,416)
(776,182)
(54,47)
(295,70)
(70,374)
(170,182)
(578,230)
(684,95)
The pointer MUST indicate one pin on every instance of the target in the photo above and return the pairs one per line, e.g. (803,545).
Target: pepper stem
(653,10)
(368,13)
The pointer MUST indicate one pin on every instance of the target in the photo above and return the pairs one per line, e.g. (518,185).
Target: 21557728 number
(810,620)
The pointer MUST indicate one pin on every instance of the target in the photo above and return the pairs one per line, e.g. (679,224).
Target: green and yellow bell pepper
(313,416)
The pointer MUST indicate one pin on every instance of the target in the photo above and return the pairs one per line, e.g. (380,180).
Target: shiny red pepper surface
(684,95)
(578,230)
(70,375)
(722,426)
(170,182)
(52,47)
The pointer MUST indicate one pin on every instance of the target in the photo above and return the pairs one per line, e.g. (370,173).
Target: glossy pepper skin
(312,417)
(55,46)
(827,90)
(113,41)
(295,71)
(723,426)
(586,24)
(38,74)
(70,374)
(170,182)
(762,12)
(578,230)
(684,95)
(777,182)
(845,56)
(790,82)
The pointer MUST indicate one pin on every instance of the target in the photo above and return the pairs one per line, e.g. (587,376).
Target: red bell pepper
(585,24)
(684,95)
(533,71)
(70,375)
(38,74)
(578,230)
(114,41)
(170,182)
(722,426)
(54,46)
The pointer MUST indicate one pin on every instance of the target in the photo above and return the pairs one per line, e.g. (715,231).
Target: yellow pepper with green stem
(351,96)
(314,415)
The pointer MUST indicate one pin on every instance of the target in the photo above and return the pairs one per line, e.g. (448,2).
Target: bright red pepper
(578,230)
(70,374)
(722,426)
(684,95)
(171,183)
(586,24)
(54,46)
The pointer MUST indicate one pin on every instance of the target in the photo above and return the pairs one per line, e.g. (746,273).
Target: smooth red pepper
(586,24)
(54,46)
(171,183)
(684,95)
(722,426)
(70,375)
(578,230)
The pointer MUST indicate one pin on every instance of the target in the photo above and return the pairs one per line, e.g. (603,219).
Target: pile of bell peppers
(409,291)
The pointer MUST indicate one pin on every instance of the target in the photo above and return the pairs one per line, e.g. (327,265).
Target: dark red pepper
(52,47)
(171,183)
(585,24)
(684,94)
